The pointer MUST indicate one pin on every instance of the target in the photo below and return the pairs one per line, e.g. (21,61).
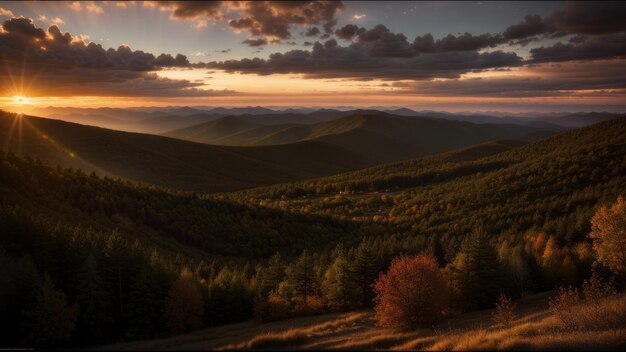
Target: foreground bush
(505,311)
(413,292)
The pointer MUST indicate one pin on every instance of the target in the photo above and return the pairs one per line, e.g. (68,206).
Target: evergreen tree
(19,283)
(118,272)
(476,271)
(363,272)
(50,321)
(146,300)
(271,276)
(94,300)
(302,276)
(229,298)
(337,285)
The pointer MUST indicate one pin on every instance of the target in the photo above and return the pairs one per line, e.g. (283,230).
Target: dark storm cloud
(255,42)
(330,60)
(594,47)
(261,18)
(58,61)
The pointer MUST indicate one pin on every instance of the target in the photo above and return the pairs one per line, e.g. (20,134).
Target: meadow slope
(535,327)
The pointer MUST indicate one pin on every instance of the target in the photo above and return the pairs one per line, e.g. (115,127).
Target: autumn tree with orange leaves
(608,232)
(413,292)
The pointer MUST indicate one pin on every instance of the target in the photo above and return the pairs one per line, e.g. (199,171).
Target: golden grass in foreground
(535,328)
(598,326)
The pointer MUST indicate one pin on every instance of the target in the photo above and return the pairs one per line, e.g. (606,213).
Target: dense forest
(86,260)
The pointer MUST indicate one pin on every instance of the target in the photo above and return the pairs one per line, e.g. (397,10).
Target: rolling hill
(552,185)
(380,136)
(170,162)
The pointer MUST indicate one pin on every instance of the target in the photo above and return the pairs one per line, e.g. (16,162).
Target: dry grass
(597,325)
(291,338)
(600,324)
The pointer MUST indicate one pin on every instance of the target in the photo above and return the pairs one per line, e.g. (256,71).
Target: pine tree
(50,321)
(337,285)
(363,273)
(302,276)
(94,300)
(19,283)
(229,297)
(271,276)
(118,273)
(476,271)
(146,300)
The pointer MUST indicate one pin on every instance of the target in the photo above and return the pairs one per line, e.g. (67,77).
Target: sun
(21,100)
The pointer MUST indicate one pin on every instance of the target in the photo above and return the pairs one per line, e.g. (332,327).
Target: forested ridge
(552,185)
(111,260)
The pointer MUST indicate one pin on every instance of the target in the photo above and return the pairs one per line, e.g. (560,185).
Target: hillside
(532,199)
(535,328)
(182,222)
(379,136)
(552,185)
(170,162)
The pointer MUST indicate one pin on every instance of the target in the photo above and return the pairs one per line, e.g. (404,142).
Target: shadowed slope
(379,136)
(171,162)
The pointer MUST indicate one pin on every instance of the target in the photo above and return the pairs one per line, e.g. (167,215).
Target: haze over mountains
(256,154)
(380,136)
(159,120)
(249,147)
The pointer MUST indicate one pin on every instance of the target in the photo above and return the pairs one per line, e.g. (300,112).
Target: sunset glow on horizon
(352,54)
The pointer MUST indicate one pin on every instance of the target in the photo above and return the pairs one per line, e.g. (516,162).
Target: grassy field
(534,328)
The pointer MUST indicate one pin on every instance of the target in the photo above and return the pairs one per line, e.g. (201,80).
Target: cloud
(115,83)
(578,17)
(329,60)
(349,31)
(5,12)
(192,9)
(464,42)
(265,19)
(93,7)
(542,81)
(89,6)
(587,48)
(591,17)
(358,17)
(255,42)
(57,21)
(54,62)
(202,24)
(75,5)
(312,32)
(531,26)
(22,40)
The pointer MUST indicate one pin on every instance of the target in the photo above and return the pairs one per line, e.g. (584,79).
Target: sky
(452,56)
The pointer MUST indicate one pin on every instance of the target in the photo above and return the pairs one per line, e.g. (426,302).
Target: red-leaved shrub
(413,292)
